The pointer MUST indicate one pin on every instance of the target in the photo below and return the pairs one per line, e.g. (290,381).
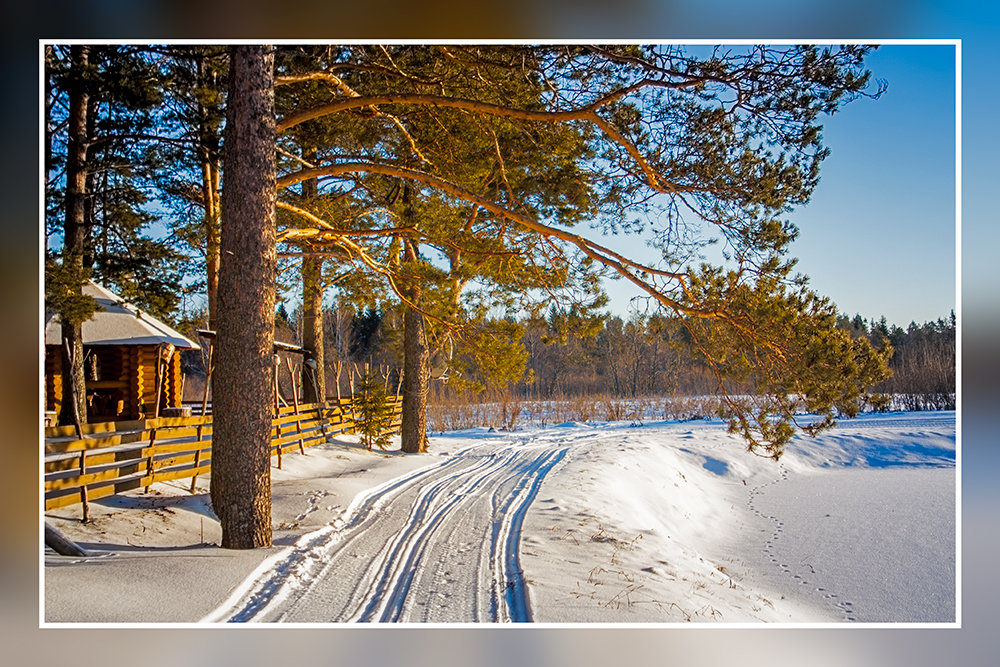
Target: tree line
(642,355)
(465,185)
(923,363)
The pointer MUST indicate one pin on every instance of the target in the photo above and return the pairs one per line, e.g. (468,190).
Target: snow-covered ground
(669,522)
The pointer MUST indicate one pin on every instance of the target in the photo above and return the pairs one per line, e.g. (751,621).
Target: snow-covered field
(663,523)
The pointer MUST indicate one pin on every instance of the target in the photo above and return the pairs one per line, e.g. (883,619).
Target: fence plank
(114,457)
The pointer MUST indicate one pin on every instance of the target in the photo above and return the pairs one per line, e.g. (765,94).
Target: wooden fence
(114,457)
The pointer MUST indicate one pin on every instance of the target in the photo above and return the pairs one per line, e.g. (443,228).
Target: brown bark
(416,371)
(241,481)
(210,199)
(312,328)
(416,380)
(210,188)
(314,384)
(74,396)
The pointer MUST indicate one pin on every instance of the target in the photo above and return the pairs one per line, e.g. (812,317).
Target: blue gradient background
(976,643)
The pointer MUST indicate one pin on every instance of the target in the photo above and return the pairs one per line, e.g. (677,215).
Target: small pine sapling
(372,411)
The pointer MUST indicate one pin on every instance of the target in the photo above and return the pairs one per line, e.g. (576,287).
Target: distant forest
(561,356)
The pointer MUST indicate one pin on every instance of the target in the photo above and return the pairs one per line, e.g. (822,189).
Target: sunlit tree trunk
(416,370)
(74,397)
(210,198)
(210,189)
(312,327)
(242,399)
(314,384)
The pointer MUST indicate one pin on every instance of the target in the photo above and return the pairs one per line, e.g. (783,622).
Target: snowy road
(438,545)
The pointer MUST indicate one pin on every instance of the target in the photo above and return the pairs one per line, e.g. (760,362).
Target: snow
(579,523)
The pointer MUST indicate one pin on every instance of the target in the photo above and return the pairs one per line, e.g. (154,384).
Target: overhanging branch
(634,272)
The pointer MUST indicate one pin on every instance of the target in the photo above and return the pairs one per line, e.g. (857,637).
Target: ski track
(440,544)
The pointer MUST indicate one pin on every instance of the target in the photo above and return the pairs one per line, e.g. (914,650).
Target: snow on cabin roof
(118,323)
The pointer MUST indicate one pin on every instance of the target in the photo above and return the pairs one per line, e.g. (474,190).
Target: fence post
(197,453)
(83,487)
(208,381)
(277,407)
(277,438)
(149,459)
(355,370)
(295,400)
(197,463)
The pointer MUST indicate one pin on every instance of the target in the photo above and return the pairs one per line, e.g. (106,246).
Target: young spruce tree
(372,411)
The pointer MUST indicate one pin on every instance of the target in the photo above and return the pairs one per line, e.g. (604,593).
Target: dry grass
(507,413)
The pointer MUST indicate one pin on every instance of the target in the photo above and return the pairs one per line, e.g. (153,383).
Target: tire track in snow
(292,568)
(387,602)
(385,599)
(378,562)
(515,607)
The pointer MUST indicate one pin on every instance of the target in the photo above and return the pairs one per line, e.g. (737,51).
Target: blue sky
(879,235)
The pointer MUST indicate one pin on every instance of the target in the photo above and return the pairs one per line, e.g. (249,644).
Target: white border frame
(956,43)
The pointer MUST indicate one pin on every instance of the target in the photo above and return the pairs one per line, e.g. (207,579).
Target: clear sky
(879,235)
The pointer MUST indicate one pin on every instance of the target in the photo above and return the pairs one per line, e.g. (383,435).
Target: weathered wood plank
(90,429)
(135,458)
(101,442)
(92,477)
(178,422)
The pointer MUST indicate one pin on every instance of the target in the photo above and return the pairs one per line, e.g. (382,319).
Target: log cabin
(132,361)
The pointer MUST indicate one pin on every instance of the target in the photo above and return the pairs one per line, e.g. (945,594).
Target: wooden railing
(114,457)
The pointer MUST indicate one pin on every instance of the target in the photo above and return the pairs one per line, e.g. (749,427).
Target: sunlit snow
(601,522)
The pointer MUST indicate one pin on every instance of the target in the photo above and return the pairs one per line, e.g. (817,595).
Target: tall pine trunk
(208,156)
(314,384)
(242,401)
(210,186)
(416,371)
(74,393)
(416,381)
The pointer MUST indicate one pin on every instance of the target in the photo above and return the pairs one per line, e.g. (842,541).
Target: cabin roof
(118,323)
(278,345)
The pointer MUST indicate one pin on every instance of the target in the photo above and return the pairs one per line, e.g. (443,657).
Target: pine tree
(193,113)
(689,148)
(241,475)
(372,411)
(75,270)
(101,116)
(517,162)
(477,246)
